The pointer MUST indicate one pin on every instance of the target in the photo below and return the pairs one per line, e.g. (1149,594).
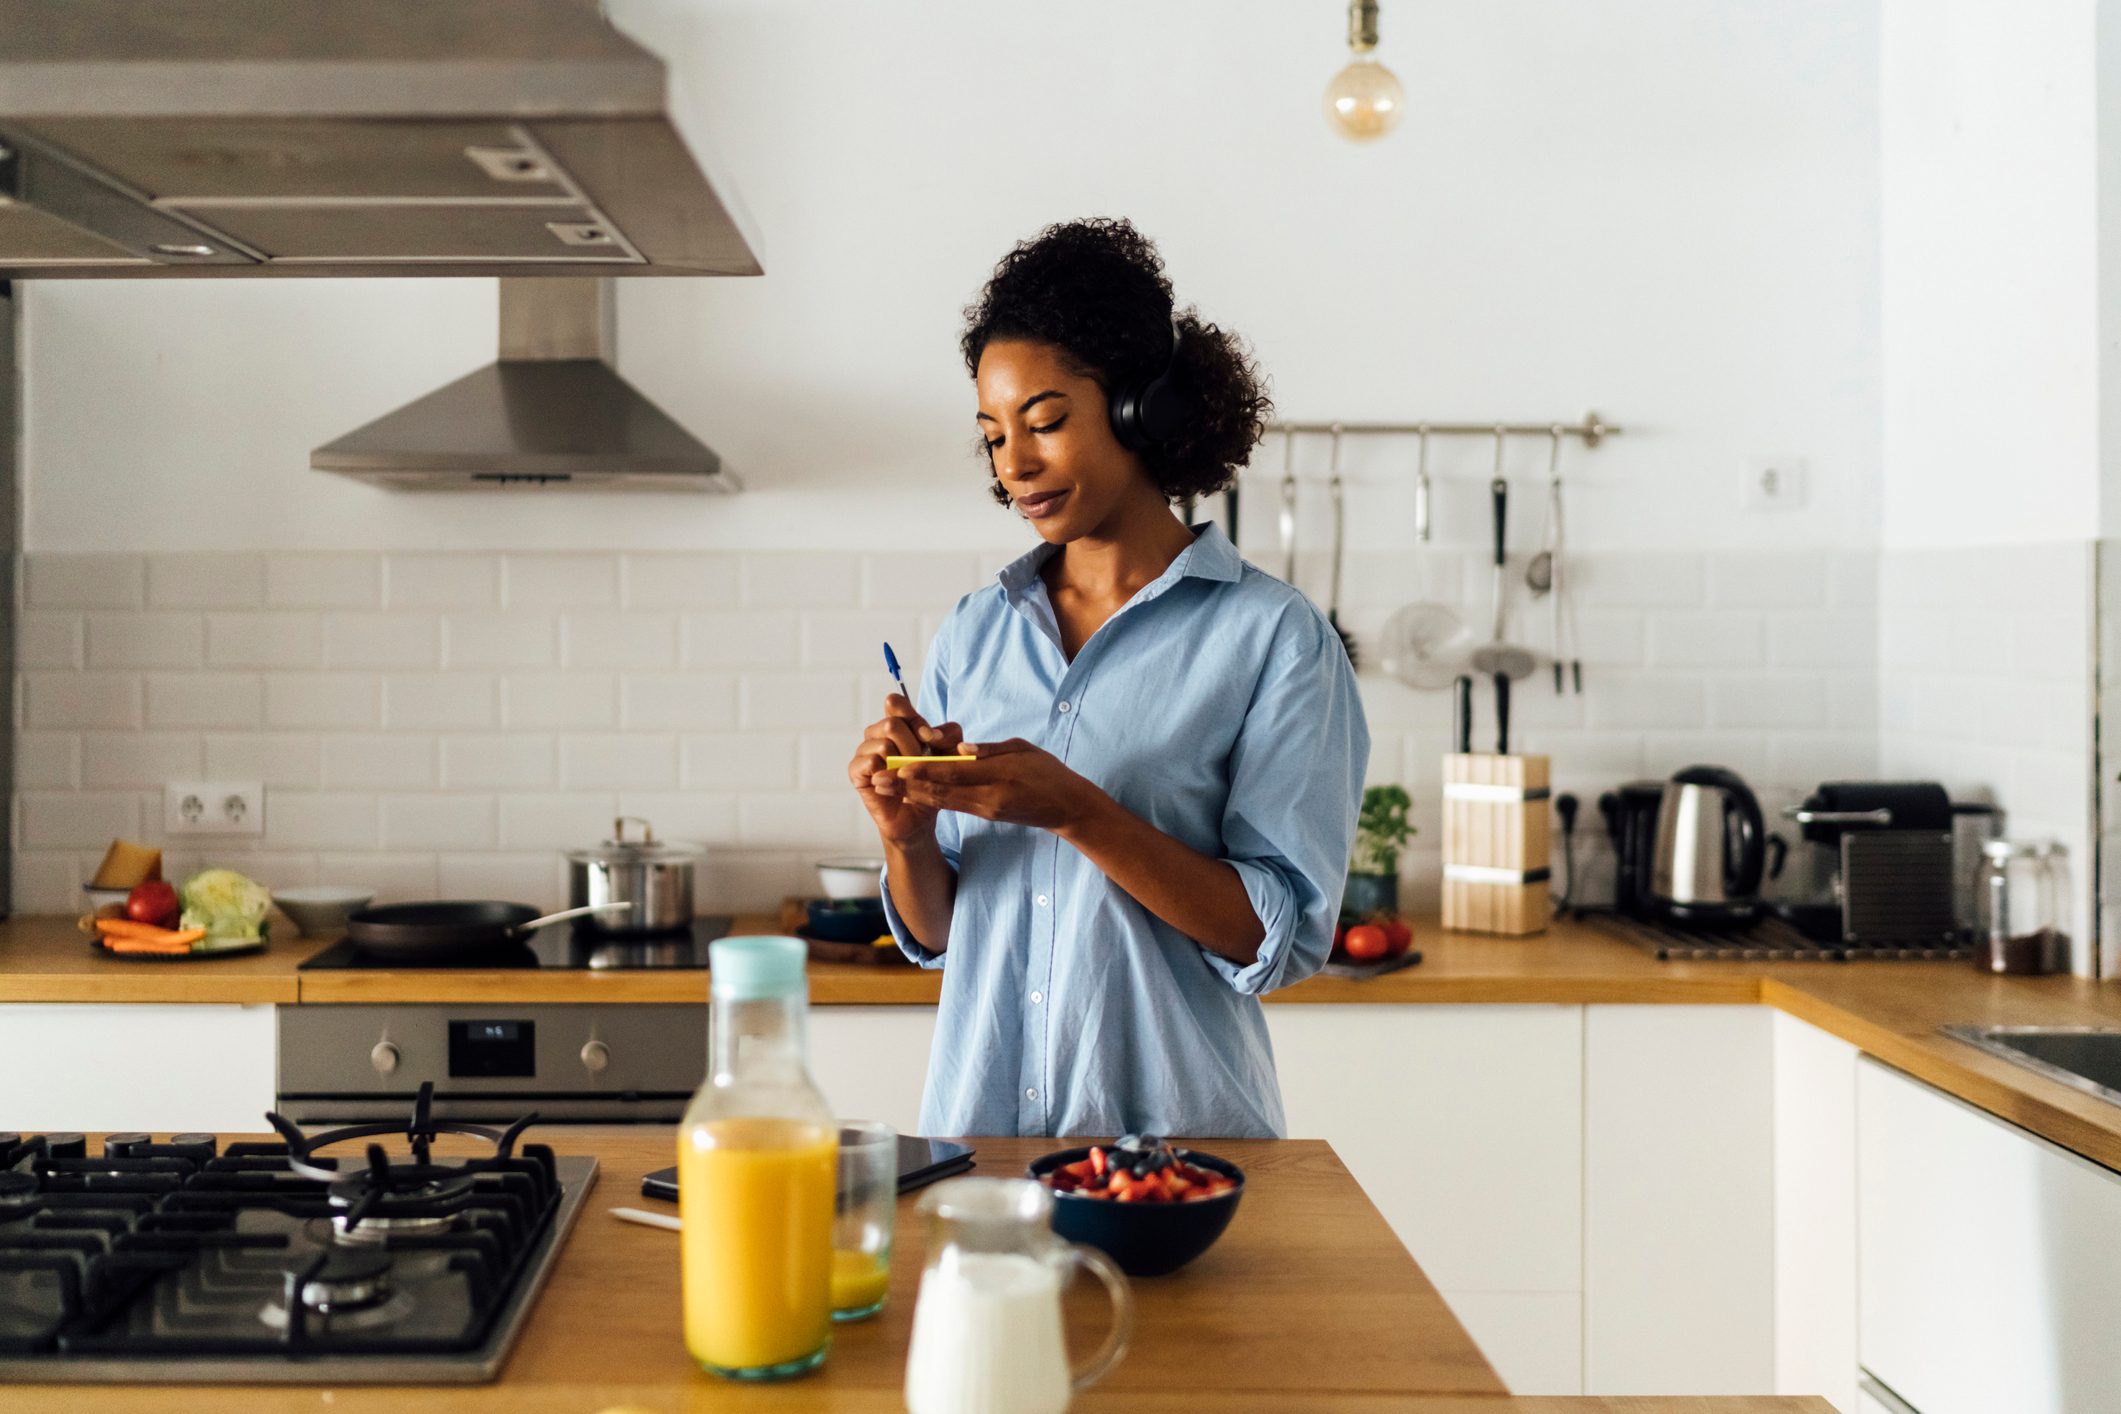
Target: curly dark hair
(1097,290)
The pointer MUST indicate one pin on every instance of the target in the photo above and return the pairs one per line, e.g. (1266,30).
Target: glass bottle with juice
(757,1156)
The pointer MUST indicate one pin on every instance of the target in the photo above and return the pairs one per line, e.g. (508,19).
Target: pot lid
(646,849)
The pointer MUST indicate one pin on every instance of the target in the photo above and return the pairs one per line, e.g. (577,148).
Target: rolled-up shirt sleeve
(933,703)
(1296,776)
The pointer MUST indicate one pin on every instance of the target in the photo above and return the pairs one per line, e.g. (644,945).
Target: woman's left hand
(1011,781)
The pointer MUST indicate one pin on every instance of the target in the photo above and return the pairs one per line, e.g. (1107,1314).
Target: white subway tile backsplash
(610,639)
(678,580)
(2042,645)
(84,581)
(677,701)
(1648,580)
(264,641)
(341,701)
(822,759)
(47,639)
(1802,759)
(1745,752)
(1785,701)
(145,640)
(1852,579)
(396,761)
(800,579)
(556,820)
(560,700)
(1852,701)
(743,761)
(535,878)
(440,701)
(802,818)
(78,819)
(282,760)
(396,878)
(442,581)
(498,761)
(610,761)
(46,881)
(528,640)
(73,701)
(1610,638)
(1698,640)
(560,581)
(794,701)
(205,580)
(141,760)
(320,820)
(312,580)
(855,641)
(1636,699)
(742,638)
(1767,579)
(918,581)
(692,816)
(1830,640)
(382,641)
(440,821)
(47,761)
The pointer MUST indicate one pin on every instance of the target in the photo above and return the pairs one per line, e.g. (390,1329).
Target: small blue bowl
(1145,1239)
(846,920)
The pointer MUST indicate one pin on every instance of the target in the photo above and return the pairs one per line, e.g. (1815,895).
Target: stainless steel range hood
(552,412)
(345,137)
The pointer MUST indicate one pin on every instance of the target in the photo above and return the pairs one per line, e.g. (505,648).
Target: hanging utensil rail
(1592,429)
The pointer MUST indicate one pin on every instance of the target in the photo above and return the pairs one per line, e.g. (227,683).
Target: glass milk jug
(987,1327)
(757,1164)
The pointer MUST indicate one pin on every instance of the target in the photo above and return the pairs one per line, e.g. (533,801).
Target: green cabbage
(225,904)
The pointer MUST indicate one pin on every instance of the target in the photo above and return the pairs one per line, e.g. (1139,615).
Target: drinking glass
(862,1218)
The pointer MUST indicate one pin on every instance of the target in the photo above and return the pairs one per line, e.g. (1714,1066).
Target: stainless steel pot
(655,876)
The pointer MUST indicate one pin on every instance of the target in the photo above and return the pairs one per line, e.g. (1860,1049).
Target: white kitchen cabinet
(872,1060)
(159,1068)
(1990,1260)
(1464,1126)
(1679,1199)
(1815,1212)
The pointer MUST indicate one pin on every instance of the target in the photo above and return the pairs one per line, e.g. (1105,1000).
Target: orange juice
(859,1280)
(756,1198)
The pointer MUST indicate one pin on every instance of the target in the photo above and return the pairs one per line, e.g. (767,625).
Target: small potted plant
(1381,832)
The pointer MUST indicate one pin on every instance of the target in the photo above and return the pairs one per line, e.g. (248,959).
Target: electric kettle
(1713,849)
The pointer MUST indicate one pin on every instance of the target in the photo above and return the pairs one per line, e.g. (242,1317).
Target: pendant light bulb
(1364,99)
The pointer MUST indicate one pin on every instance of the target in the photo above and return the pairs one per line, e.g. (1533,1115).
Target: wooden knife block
(1496,876)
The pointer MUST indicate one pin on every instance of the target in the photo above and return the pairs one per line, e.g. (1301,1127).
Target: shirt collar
(1210,556)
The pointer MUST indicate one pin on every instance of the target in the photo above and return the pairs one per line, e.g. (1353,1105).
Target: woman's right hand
(901,732)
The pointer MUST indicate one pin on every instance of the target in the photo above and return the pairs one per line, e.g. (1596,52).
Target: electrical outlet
(213,808)
(1774,483)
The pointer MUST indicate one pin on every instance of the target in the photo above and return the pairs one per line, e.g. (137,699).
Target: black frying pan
(453,929)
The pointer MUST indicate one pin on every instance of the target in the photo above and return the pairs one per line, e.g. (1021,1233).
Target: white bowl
(851,878)
(321,909)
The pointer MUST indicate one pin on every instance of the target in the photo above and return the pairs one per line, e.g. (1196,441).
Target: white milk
(987,1338)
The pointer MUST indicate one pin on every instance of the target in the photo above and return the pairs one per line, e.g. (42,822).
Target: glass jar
(757,1159)
(2019,927)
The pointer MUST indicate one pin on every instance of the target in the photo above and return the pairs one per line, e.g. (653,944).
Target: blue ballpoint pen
(891,662)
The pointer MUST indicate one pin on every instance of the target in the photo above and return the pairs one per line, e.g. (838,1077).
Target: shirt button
(1037,997)
(1064,707)
(1031,1094)
(1041,900)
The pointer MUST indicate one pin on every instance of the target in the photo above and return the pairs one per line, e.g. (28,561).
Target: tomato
(1398,936)
(1340,940)
(1367,942)
(153,902)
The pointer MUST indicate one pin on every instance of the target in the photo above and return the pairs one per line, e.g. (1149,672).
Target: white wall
(1990,236)
(1663,213)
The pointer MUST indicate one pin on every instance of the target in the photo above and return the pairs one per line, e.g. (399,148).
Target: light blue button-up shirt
(1218,706)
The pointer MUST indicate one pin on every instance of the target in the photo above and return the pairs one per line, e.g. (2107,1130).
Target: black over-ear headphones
(1146,414)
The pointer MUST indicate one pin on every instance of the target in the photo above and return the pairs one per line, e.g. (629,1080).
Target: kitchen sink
(2085,1057)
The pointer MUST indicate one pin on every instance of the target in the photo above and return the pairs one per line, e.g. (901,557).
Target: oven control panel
(622,1062)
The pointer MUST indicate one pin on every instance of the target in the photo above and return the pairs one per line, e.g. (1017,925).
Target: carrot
(125,928)
(140,945)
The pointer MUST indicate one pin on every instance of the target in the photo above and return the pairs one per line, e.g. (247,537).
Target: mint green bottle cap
(751,969)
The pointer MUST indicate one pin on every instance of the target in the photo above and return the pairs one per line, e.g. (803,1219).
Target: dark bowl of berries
(1148,1206)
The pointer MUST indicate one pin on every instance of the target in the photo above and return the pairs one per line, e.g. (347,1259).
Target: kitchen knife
(1502,714)
(1462,716)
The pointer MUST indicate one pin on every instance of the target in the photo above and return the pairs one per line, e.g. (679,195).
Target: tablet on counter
(920,1162)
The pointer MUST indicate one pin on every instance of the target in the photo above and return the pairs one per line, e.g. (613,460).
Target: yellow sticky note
(893,763)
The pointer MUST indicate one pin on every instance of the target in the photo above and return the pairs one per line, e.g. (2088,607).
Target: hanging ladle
(1539,574)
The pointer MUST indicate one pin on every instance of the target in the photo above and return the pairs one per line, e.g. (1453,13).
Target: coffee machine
(1889,847)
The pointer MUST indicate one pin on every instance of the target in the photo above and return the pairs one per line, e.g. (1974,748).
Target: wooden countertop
(1890,1009)
(1308,1292)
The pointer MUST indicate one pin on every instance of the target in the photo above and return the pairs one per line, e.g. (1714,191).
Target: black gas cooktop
(322,1258)
(564,947)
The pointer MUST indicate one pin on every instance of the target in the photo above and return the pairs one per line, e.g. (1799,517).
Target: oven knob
(126,1146)
(595,1057)
(384,1058)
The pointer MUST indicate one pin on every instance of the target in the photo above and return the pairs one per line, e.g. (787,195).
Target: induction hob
(565,947)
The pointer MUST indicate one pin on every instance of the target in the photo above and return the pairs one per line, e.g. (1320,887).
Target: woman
(1169,749)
